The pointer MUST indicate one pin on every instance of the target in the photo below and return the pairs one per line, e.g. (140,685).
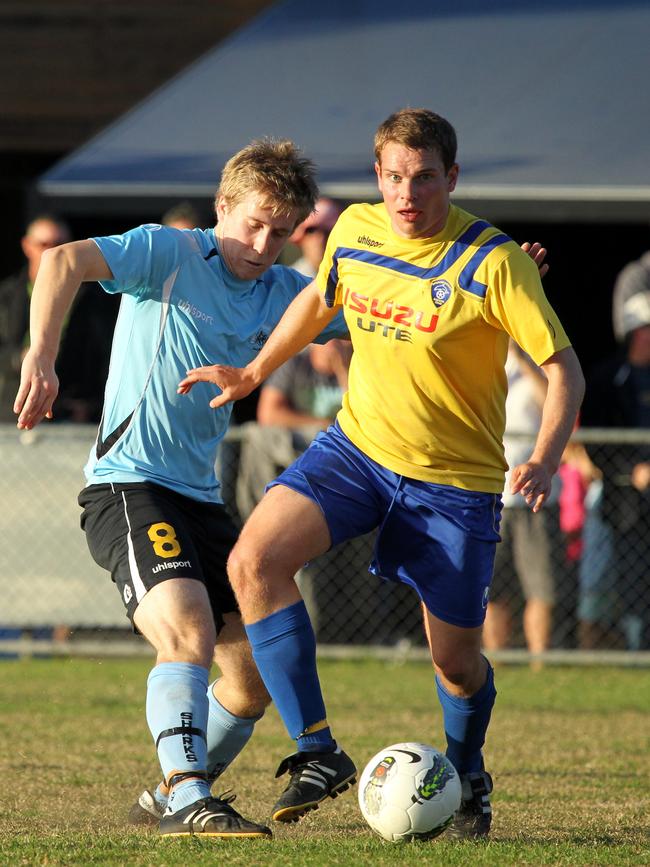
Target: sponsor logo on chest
(390,319)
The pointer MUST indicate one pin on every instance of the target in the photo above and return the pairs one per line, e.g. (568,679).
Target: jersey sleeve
(516,303)
(140,259)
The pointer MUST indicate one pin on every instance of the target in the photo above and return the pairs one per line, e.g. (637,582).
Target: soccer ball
(409,792)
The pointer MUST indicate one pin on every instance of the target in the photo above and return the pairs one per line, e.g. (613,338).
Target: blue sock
(284,649)
(227,735)
(466,721)
(177,714)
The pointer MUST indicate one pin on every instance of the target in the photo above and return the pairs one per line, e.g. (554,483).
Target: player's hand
(537,253)
(39,386)
(234,382)
(533,482)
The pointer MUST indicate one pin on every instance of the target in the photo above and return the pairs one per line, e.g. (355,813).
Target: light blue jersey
(181,308)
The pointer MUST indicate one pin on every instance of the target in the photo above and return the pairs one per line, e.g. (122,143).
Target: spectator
(577,475)
(634,278)
(312,234)
(577,472)
(85,346)
(590,547)
(299,399)
(525,556)
(15,291)
(308,389)
(181,216)
(618,396)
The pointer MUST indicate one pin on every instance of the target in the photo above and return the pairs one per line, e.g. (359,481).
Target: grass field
(569,749)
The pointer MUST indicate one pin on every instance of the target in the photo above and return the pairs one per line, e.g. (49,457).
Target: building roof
(549,101)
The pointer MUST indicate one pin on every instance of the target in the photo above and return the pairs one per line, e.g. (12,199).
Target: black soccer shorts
(144,533)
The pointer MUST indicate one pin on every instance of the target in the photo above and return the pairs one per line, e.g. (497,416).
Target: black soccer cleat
(210,817)
(474,817)
(146,812)
(314,777)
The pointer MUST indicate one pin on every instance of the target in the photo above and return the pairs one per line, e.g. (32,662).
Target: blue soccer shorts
(439,539)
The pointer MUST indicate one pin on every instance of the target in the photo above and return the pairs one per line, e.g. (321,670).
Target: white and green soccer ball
(409,791)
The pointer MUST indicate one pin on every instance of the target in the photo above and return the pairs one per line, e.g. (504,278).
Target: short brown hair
(277,170)
(418,129)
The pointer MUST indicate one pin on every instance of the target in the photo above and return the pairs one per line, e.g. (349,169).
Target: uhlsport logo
(174,564)
(369,242)
(193,310)
(440,292)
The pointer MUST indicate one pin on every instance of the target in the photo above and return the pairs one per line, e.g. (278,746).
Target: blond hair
(277,171)
(418,129)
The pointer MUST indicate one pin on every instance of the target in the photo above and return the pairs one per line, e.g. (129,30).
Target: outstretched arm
(563,398)
(61,272)
(304,319)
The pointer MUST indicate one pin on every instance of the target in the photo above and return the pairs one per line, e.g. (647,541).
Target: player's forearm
(303,320)
(563,399)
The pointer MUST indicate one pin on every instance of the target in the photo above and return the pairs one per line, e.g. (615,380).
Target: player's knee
(244,569)
(253,696)
(460,669)
(189,643)
(243,691)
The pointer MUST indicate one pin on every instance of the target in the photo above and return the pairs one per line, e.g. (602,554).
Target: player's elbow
(54,258)
(564,367)
(575,376)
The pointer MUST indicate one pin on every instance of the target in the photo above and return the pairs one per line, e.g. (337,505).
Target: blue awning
(550,102)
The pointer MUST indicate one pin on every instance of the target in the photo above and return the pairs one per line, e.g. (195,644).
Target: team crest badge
(258,340)
(440,292)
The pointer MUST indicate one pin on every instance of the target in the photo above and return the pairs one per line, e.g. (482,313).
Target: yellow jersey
(429,320)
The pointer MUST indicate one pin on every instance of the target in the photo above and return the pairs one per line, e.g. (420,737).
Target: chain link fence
(596,540)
